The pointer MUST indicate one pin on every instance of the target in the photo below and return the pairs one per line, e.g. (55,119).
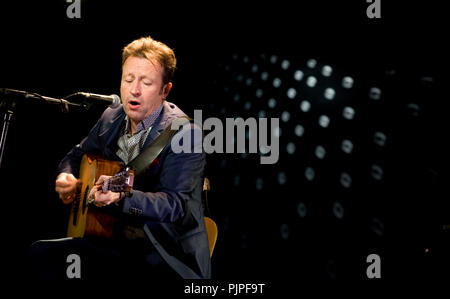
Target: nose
(135,89)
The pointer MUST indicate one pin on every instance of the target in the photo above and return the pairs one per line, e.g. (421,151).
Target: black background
(45,52)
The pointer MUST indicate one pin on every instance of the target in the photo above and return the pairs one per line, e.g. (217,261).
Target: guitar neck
(120,182)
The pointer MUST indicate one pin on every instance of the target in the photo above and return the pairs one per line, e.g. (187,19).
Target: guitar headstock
(120,182)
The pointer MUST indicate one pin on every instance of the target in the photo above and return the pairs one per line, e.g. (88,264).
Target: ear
(167,89)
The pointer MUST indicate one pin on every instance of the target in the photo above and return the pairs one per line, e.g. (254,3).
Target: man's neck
(134,124)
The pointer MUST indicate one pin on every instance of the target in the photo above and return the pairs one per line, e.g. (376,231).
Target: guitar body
(87,219)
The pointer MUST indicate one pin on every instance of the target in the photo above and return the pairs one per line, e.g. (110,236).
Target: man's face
(142,89)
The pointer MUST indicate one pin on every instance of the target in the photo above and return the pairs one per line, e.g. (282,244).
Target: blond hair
(153,50)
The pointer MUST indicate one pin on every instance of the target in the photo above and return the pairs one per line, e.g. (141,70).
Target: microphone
(113,100)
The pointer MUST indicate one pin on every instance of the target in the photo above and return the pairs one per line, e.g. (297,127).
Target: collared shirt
(131,145)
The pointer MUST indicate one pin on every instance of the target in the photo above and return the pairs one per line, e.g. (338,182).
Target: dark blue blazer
(168,197)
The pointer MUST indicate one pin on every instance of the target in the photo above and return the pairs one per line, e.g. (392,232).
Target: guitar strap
(184,271)
(139,165)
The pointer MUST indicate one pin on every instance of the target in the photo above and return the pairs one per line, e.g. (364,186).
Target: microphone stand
(6,121)
(9,97)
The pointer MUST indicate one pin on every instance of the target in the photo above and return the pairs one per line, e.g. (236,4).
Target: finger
(67,195)
(71,178)
(105,198)
(60,190)
(64,190)
(99,203)
(101,179)
(62,184)
(92,193)
(98,199)
(67,199)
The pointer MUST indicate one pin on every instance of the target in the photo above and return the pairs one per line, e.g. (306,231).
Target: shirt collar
(146,122)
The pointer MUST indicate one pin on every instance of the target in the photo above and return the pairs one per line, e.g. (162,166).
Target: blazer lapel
(111,134)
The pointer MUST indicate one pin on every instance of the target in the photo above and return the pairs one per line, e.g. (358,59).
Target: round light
(284,231)
(291,93)
(261,114)
(320,152)
(375,93)
(311,63)
(326,71)
(379,138)
(309,173)
(348,113)
(347,82)
(329,93)
(324,121)
(338,210)
(276,82)
(301,210)
(282,178)
(272,103)
(347,146)
(305,106)
(259,183)
(259,93)
(264,76)
(285,116)
(298,75)
(290,148)
(299,130)
(346,180)
(273,59)
(311,81)
(285,64)
(377,172)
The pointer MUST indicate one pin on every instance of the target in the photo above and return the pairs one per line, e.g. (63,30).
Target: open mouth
(133,103)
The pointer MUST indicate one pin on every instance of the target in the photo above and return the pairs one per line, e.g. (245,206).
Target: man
(165,200)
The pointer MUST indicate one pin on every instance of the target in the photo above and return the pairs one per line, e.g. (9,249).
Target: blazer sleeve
(181,173)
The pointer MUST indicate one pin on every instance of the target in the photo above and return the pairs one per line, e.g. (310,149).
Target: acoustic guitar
(85,218)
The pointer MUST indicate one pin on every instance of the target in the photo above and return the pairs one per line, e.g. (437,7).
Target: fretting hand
(100,198)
